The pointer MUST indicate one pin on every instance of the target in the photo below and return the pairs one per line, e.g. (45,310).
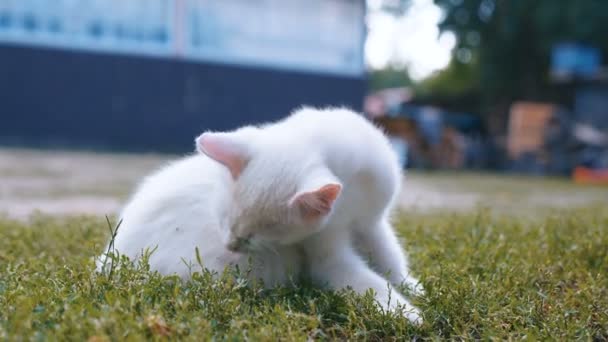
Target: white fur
(182,207)
(274,166)
(307,150)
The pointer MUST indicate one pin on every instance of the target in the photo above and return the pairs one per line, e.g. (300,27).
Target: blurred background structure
(511,85)
(152,74)
(525,89)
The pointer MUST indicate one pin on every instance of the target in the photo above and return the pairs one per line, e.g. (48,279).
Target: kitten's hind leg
(378,242)
(344,268)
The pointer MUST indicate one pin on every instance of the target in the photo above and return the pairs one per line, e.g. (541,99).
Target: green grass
(486,276)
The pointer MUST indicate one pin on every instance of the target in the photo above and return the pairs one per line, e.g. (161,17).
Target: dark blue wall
(86,100)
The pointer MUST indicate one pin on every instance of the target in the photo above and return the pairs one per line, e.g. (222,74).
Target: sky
(411,40)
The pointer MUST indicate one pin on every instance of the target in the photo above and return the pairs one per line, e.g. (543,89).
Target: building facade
(152,74)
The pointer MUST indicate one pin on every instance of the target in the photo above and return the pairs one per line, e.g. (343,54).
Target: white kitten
(323,181)
(310,192)
(185,206)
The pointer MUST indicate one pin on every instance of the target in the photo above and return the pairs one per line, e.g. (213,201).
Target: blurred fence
(292,35)
(151,74)
(140,26)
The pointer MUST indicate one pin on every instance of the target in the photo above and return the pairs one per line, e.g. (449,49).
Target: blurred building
(152,74)
(570,133)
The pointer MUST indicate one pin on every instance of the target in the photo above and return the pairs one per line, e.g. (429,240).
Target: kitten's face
(249,235)
(259,221)
(277,199)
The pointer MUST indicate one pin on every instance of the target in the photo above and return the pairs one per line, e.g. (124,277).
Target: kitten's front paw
(401,306)
(414,286)
(413,315)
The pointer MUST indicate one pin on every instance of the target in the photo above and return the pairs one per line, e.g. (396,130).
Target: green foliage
(513,38)
(486,276)
(389,77)
(455,80)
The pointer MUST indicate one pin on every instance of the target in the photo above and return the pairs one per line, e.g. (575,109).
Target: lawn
(487,275)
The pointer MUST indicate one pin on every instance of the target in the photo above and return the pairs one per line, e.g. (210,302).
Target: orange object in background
(527,124)
(585,175)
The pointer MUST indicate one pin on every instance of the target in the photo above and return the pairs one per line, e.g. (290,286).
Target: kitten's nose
(237,245)
(233,246)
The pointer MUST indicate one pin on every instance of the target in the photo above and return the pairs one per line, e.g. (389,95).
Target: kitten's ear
(313,205)
(226,149)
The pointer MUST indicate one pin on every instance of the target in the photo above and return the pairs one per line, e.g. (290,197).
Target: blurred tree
(511,41)
(457,79)
(395,7)
(389,77)
(455,88)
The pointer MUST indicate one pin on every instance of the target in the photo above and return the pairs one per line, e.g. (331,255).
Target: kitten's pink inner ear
(316,204)
(223,150)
